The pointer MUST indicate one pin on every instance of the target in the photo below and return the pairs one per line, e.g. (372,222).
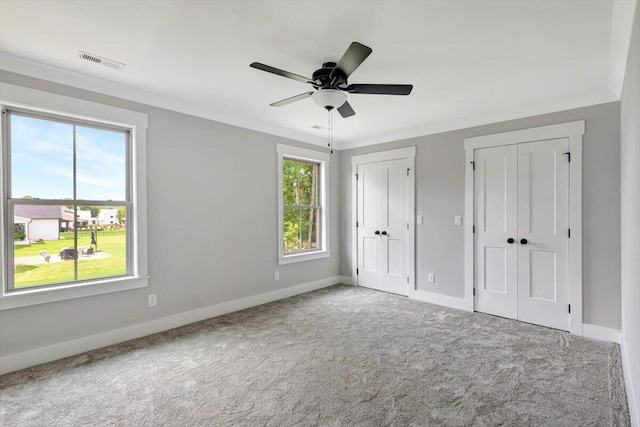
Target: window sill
(308,256)
(27,297)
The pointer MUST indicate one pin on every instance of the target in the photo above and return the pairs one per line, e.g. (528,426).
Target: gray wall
(630,195)
(440,195)
(212,228)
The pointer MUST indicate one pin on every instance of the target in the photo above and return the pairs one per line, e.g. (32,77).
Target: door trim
(572,130)
(408,153)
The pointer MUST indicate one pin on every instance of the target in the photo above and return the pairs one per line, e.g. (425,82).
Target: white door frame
(572,130)
(408,153)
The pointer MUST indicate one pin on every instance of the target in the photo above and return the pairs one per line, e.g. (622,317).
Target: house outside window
(302,204)
(59,170)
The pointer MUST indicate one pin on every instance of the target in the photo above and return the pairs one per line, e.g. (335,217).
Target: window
(302,189)
(69,182)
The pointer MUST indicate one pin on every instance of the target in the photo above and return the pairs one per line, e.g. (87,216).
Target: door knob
(510,240)
(376,232)
(384,233)
(524,241)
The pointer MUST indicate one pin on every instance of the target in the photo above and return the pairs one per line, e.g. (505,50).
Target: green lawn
(110,242)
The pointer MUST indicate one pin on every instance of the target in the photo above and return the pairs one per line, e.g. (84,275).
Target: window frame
(46,105)
(322,159)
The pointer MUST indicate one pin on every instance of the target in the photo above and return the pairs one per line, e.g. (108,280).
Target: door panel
(382,206)
(496,203)
(543,220)
(369,254)
(395,263)
(542,278)
(495,269)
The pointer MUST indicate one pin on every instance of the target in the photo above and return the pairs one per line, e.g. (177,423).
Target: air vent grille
(100,60)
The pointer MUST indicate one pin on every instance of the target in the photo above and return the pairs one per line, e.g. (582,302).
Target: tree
(121,214)
(27,196)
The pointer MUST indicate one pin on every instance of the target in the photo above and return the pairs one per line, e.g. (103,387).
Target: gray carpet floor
(341,356)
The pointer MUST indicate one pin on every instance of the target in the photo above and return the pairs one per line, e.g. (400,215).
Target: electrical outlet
(153,300)
(419,219)
(431,278)
(277,275)
(457,220)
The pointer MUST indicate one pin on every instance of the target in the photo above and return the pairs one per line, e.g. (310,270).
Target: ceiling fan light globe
(329,98)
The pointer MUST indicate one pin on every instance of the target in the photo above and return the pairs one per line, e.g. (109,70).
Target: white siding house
(108,216)
(46,220)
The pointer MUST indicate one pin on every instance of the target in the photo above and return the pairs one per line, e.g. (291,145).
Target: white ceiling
(471,62)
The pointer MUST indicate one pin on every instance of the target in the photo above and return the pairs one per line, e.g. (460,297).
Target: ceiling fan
(330,82)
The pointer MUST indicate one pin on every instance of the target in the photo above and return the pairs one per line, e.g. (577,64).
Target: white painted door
(522,221)
(543,241)
(382,226)
(496,205)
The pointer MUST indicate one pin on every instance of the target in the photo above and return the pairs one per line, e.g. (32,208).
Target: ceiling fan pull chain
(331,130)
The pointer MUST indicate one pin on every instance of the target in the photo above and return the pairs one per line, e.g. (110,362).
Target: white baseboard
(37,356)
(600,333)
(633,398)
(347,280)
(440,299)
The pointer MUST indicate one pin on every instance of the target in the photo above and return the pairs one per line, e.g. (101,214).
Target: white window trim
(50,103)
(298,153)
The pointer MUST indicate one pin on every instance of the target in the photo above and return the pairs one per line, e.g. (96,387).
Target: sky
(42,161)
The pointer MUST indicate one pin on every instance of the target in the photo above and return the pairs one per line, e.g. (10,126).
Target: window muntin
(59,168)
(303,221)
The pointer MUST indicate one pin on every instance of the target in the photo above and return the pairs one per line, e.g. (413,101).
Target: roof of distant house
(44,212)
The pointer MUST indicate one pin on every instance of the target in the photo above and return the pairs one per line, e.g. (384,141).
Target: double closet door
(521,196)
(382,225)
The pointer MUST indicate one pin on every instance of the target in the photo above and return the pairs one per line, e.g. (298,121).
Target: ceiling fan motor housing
(322,77)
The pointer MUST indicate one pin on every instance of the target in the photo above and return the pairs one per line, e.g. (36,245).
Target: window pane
(43,247)
(102,242)
(300,229)
(41,158)
(101,164)
(299,182)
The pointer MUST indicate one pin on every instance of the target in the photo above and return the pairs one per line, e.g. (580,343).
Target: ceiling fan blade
(354,56)
(292,99)
(380,89)
(273,70)
(345,110)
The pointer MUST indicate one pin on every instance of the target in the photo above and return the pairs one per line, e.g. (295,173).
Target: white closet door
(393,237)
(382,218)
(495,213)
(543,242)
(369,221)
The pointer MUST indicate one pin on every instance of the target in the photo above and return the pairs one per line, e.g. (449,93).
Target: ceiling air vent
(100,60)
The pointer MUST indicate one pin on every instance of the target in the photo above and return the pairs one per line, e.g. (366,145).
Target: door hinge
(408,169)
(474,292)
(568,154)
(473,229)
(569,308)
(473,165)
(357,224)
(356,177)
(569,233)
(407,226)
(407,279)
(357,271)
